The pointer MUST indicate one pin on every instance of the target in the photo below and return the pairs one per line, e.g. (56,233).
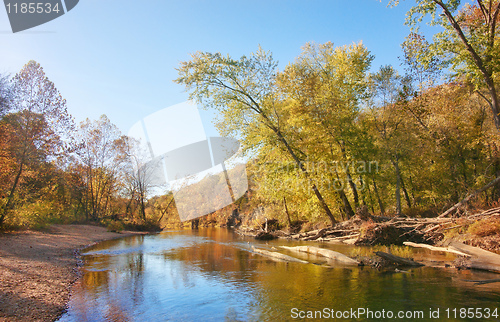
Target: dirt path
(38,268)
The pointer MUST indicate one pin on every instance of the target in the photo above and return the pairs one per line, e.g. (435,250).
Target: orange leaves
(7,162)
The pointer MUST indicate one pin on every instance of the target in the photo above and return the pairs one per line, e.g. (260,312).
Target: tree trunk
(380,204)
(143,206)
(347,205)
(163,212)
(306,173)
(129,203)
(345,201)
(495,193)
(494,105)
(267,122)
(354,190)
(398,187)
(287,213)
(413,192)
(370,196)
(10,198)
(405,192)
(352,185)
(363,201)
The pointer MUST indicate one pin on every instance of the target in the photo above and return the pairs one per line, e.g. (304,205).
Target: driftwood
(320,233)
(481,259)
(477,252)
(398,260)
(438,249)
(342,237)
(382,230)
(469,197)
(279,256)
(492,211)
(323,252)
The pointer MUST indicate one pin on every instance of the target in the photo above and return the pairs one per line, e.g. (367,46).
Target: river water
(212,275)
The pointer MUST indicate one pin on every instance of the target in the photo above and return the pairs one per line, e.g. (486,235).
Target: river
(212,275)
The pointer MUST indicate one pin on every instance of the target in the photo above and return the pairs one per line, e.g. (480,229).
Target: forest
(324,136)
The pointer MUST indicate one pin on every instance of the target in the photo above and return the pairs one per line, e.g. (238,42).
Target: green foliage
(241,91)
(41,214)
(431,144)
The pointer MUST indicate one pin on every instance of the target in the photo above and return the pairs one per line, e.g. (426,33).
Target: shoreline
(38,269)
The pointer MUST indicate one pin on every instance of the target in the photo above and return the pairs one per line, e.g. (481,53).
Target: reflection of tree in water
(115,312)
(134,276)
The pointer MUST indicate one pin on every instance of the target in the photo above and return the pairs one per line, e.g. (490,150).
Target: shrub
(115,226)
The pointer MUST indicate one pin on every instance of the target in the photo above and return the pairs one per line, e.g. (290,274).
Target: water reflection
(210,275)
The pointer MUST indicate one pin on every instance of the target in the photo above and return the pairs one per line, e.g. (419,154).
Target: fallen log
(398,260)
(320,233)
(438,249)
(482,259)
(311,233)
(477,252)
(428,230)
(323,252)
(342,231)
(492,211)
(342,237)
(279,256)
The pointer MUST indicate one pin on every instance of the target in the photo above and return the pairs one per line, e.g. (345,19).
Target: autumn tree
(325,88)
(140,175)
(5,95)
(6,160)
(99,154)
(468,43)
(244,93)
(37,123)
(390,124)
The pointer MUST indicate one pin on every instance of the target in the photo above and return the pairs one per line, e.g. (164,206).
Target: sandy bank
(38,268)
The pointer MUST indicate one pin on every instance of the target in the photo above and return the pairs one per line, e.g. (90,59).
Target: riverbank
(38,268)
(481,229)
(456,235)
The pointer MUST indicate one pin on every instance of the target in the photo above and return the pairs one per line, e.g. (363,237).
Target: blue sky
(118,57)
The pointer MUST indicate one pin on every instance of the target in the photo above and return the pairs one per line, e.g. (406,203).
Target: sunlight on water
(211,275)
